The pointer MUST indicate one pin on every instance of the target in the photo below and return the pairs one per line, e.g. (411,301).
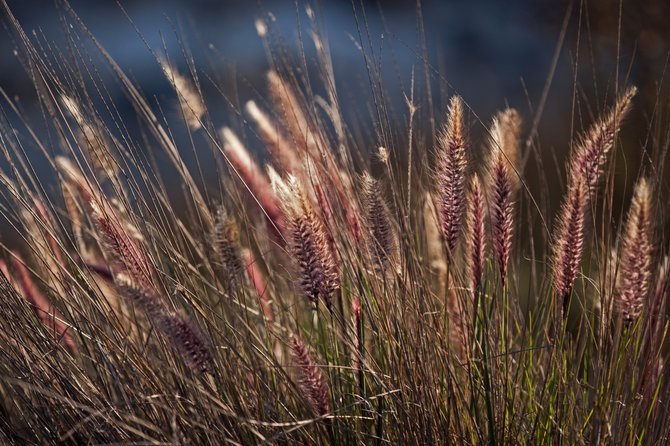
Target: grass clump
(317,297)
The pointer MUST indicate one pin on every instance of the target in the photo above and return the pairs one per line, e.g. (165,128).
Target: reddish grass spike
(476,239)
(147,298)
(568,242)
(381,239)
(188,340)
(504,131)
(125,250)
(590,154)
(636,249)
(318,278)
(181,332)
(505,136)
(226,247)
(119,242)
(452,163)
(47,313)
(317,269)
(311,380)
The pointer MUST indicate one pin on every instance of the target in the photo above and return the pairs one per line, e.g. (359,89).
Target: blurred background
(494,53)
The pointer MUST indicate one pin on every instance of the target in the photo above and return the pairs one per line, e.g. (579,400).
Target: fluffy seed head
(590,154)
(190,101)
(568,242)
(180,331)
(502,186)
(451,173)
(290,110)
(90,137)
(312,382)
(636,249)
(226,247)
(381,239)
(188,340)
(309,246)
(505,136)
(119,242)
(476,237)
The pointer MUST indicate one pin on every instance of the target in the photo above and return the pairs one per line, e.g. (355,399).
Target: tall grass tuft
(267,277)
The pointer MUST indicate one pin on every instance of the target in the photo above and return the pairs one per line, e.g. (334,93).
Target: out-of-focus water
(493,53)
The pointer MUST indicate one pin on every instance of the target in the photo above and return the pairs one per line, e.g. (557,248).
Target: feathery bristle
(636,249)
(452,163)
(190,102)
(568,242)
(318,275)
(382,242)
(590,154)
(501,187)
(120,244)
(476,237)
(145,297)
(311,380)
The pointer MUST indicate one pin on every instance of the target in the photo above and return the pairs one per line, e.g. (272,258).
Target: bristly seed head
(181,332)
(568,242)
(504,147)
(636,250)
(590,154)
(226,248)
(476,238)
(381,238)
(190,101)
(452,163)
(318,273)
(311,380)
